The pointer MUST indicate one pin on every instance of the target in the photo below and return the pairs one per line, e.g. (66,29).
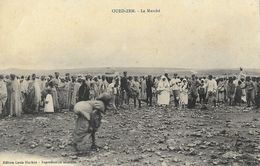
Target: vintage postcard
(129,82)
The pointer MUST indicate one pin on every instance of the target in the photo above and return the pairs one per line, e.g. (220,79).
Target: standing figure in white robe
(143,90)
(15,98)
(34,95)
(75,93)
(242,74)
(3,94)
(163,91)
(184,93)
(103,85)
(24,91)
(49,108)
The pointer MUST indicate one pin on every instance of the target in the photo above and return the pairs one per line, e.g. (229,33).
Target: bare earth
(148,136)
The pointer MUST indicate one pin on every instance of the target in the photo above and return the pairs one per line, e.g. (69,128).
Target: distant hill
(133,71)
(100,70)
(228,72)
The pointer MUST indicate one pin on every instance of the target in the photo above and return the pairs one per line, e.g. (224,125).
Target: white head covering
(163,83)
(162,77)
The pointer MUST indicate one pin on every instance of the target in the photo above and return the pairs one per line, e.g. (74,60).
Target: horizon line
(112,67)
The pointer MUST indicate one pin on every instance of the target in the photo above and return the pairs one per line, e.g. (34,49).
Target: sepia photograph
(129,82)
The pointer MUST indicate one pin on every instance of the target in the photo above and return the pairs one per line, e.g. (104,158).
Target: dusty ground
(149,136)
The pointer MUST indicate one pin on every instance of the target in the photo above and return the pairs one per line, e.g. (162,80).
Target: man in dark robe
(149,86)
(193,91)
(84,91)
(258,93)
(124,89)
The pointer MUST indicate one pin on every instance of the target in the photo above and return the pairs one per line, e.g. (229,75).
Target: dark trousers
(149,98)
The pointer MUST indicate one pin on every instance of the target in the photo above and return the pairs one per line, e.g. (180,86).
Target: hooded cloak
(164,91)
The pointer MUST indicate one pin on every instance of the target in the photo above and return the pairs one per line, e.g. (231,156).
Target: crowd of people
(34,94)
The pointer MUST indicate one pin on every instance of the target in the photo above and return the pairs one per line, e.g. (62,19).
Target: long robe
(42,85)
(75,93)
(243,86)
(3,96)
(221,91)
(193,92)
(70,93)
(231,90)
(89,119)
(184,93)
(15,99)
(258,95)
(63,92)
(164,92)
(24,91)
(143,91)
(84,92)
(54,95)
(94,90)
(9,92)
(34,96)
(24,86)
(135,89)
(149,87)
(103,86)
(48,104)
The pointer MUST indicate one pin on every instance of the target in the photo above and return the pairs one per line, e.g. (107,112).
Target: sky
(60,34)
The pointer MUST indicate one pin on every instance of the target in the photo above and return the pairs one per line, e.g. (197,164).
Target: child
(238,94)
(49,108)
